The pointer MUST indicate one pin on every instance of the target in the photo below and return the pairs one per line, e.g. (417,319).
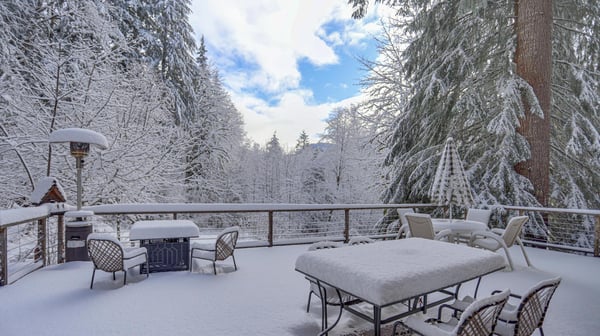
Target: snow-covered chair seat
(421,226)
(479,215)
(107,254)
(498,238)
(476,215)
(478,319)
(222,248)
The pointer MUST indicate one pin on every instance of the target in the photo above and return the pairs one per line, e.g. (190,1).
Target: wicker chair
(420,226)
(107,254)
(497,238)
(522,320)
(221,249)
(479,319)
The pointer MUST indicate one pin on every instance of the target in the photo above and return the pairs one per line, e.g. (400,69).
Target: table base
(165,255)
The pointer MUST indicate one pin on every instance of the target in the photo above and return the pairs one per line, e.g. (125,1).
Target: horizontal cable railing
(31,238)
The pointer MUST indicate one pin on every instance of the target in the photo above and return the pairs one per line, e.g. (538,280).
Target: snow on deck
(265,296)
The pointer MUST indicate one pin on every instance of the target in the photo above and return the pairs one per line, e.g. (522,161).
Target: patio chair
(403,230)
(478,319)
(479,215)
(476,215)
(359,240)
(222,248)
(521,319)
(420,226)
(498,238)
(331,297)
(107,254)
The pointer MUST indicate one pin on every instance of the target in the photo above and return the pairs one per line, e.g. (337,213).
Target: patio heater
(79,227)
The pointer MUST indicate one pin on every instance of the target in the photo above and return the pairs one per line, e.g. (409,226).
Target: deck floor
(264,297)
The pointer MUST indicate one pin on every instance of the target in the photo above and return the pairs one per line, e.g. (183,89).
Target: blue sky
(286,63)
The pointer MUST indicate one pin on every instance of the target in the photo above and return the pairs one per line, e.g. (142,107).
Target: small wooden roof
(47,190)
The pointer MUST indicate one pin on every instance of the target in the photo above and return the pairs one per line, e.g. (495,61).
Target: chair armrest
(498,231)
(402,230)
(209,246)
(443,234)
(133,252)
(516,296)
(484,234)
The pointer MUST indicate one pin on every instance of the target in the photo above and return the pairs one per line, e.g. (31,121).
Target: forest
(133,71)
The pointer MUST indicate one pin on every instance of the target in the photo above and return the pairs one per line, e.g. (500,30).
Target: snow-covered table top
(158,229)
(458,225)
(387,272)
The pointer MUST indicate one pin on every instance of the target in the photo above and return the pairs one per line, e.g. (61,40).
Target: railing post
(3,257)
(346,225)
(270,233)
(60,258)
(40,249)
(597,237)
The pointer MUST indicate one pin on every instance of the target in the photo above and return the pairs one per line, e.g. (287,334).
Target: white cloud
(256,46)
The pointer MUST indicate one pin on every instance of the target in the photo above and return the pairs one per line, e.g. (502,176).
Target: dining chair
(479,319)
(403,229)
(502,238)
(520,319)
(529,314)
(107,254)
(479,215)
(420,226)
(222,248)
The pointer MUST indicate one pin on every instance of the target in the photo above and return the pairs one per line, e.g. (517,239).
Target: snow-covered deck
(266,296)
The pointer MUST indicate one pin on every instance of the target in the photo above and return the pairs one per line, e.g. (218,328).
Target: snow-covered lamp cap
(80,140)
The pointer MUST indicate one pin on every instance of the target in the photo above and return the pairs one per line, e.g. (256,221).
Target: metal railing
(31,238)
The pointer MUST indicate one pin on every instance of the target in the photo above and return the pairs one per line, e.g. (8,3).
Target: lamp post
(80,226)
(80,140)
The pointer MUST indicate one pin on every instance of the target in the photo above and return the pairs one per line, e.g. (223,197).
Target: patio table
(460,229)
(386,273)
(167,242)
(458,226)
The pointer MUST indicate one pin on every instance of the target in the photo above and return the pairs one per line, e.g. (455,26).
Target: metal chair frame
(224,248)
(108,255)
(479,319)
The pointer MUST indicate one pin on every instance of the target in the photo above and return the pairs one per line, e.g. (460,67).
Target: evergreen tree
(302,142)
(163,38)
(459,79)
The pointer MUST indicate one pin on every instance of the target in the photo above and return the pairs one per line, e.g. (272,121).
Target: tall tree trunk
(533,58)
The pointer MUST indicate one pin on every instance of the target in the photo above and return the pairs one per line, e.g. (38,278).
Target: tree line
(133,71)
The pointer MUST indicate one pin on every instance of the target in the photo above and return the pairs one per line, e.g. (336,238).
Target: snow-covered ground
(266,296)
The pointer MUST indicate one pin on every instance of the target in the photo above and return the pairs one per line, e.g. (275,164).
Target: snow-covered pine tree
(68,69)
(457,69)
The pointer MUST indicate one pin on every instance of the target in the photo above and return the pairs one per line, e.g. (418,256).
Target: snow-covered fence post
(270,233)
(40,250)
(346,225)
(3,256)
(597,237)
(60,258)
